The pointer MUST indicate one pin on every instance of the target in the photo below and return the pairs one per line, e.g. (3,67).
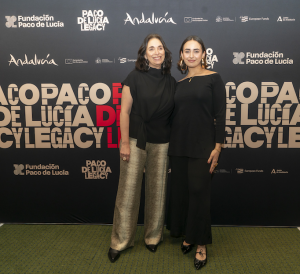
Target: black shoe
(113,255)
(186,248)
(200,263)
(152,248)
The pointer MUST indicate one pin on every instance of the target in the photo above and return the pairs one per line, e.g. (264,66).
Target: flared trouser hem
(154,160)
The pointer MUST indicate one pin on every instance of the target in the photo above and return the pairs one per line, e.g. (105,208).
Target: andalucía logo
(92,20)
(34,61)
(149,20)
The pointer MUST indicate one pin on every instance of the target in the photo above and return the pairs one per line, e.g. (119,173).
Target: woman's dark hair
(181,65)
(140,63)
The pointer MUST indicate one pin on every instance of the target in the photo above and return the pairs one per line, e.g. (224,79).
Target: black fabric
(153,103)
(197,103)
(189,203)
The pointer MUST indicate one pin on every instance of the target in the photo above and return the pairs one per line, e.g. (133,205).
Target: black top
(153,103)
(197,103)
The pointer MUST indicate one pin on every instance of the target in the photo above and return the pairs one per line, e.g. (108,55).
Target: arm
(219,100)
(126,104)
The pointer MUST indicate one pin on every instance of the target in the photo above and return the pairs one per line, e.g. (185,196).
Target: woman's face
(155,53)
(192,54)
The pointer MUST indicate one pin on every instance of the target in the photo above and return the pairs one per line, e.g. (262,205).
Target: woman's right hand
(125,151)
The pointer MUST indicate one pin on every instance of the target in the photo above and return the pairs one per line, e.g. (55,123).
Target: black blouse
(153,103)
(197,103)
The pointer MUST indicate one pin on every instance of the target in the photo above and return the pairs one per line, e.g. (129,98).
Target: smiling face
(192,54)
(155,53)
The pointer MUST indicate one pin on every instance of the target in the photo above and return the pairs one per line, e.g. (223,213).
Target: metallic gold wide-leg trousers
(155,161)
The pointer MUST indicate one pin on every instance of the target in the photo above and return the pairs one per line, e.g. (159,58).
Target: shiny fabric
(155,161)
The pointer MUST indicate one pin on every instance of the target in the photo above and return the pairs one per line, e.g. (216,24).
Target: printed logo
(33,22)
(244,18)
(220,19)
(75,61)
(211,58)
(104,61)
(50,169)
(34,61)
(92,20)
(278,171)
(238,56)
(285,19)
(261,58)
(95,169)
(239,170)
(125,60)
(222,170)
(150,20)
(10,21)
(18,169)
(191,19)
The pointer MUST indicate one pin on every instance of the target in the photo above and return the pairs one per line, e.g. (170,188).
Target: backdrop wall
(61,67)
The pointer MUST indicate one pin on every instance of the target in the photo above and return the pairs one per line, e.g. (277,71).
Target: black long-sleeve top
(198,102)
(153,102)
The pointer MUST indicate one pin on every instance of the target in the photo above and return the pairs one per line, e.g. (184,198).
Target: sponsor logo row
(93,169)
(95,20)
(247,171)
(98,169)
(239,58)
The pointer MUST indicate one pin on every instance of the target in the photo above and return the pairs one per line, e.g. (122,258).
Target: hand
(213,159)
(125,152)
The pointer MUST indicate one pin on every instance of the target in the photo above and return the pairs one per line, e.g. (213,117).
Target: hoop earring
(181,65)
(147,64)
(203,63)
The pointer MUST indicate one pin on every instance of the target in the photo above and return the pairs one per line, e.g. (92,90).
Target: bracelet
(218,150)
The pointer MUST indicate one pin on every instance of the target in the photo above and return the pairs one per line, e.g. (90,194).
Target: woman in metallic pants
(146,107)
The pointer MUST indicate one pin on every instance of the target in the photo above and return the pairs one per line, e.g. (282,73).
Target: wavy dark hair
(140,63)
(181,65)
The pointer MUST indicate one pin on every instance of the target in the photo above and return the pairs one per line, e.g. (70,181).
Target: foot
(185,247)
(152,248)
(201,257)
(113,255)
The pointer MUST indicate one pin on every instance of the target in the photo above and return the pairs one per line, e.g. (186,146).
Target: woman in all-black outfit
(146,107)
(198,130)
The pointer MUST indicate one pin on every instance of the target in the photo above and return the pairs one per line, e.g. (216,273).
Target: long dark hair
(140,63)
(181,65)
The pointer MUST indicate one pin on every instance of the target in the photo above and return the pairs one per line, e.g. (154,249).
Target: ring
(216,164)
(124,158)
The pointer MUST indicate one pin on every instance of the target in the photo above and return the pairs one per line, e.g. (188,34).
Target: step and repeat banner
(61,65)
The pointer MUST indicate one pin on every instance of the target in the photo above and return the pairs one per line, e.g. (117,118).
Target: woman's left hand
(213,159)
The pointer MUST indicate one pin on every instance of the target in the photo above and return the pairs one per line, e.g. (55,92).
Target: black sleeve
(130,82)
(219,103)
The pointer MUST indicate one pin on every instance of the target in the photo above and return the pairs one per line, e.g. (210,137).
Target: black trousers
(189,203)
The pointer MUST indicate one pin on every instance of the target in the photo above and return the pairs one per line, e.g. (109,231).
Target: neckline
(155,72)
(197,76)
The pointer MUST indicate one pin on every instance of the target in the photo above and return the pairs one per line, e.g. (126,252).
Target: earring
(147,64)
(181,65)
(164,64)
